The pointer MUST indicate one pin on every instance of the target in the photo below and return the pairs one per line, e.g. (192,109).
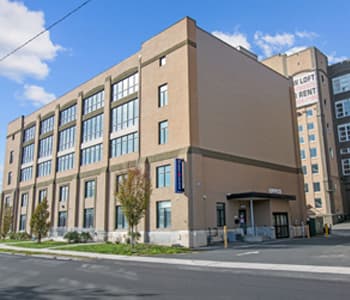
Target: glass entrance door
(280,221)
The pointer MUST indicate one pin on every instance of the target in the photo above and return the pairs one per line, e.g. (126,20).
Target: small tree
(39,222)
(133,194)
(7,221)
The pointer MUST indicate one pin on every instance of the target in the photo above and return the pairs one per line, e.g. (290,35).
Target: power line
(45,30)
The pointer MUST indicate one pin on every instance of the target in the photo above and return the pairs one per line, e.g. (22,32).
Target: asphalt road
(39,278)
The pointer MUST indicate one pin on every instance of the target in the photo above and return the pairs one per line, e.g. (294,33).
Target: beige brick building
(308,69)
(216,128)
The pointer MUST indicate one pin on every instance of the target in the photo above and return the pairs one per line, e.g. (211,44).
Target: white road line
(247,253)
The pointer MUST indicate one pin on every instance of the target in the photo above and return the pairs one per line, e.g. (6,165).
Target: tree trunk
(39,238)
(132,236)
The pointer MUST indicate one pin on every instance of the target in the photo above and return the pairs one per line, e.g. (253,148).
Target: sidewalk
(341,229)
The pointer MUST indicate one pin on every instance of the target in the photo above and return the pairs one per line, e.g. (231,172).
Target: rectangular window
(119,181)
(314,168)
(24,200)
(302,154)
(162,61)
(62,219)
(66,139)
(93,102)
(344,150)
(220,214)
(22,222)
(28,154)
(42,195)
(11,157)
(7,201)
(163,132)
(120,221)
(313,152)
(304,168)
(125,87)
(346,166)
(341,84)
(93,128)
(9,178)
(64,192)
(317,187)
(29,134)
(300,128)
(163,214)
(312,138)
(125,144)
(310,126)
(309,112)
(125,115)
(318,202)
(163,95)
(88,217)
(44,168)
(91,154)
(26,174)
(301,140)
(306,188)
(342,108)
(47,125)
(90,189)
(163,176)
(68,115)
(65,162)
(45,147)
(344,132)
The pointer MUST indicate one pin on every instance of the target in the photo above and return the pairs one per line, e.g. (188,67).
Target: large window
(125,144)
(163,176)
(62,219)
(45,147)
(89,189)
(26,174)
(341,84)
(163,132)
(125,115)
(65,162)
(64,193)
(163,214)
(317,187)
(66,139)
(44,168)
(342,108)
(220,214)
(91,154)
(93,128)
(29,134)
(24,200)
(120,221)
(94,102)
(47,125)
(22,222)
(69,114)
(344,132)
(346,166)
(125,87)
(28,154)
(88,217)
(42,195)
(163,95)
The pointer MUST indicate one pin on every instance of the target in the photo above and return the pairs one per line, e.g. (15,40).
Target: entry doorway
(280,221)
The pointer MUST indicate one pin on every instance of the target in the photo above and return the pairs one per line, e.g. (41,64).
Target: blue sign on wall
(179,175)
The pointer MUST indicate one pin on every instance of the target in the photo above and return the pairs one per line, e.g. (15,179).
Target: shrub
(72,237)
(85,236)
(23,236)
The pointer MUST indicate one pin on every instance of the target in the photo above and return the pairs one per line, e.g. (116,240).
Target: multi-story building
(215,128)
(308,69)
(339,76)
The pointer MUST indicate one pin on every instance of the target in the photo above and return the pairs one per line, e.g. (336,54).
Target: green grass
(41,245)
(124,249)
(9,241)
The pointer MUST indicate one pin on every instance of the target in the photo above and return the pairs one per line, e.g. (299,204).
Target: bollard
(225,236)
(326,230)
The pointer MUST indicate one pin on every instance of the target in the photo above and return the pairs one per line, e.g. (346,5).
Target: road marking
(248,253)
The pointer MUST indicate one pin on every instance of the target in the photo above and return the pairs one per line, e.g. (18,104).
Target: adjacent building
(215,128)
(317,139)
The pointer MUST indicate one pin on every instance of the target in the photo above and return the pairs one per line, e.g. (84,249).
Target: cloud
(306,34)
(270,44)
(234,39)
(37,95)
(18,24)
(333,59)
(295,50)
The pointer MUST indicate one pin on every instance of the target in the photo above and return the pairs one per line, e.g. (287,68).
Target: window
(342,108)
(302,154)
(66,139)
(69,114)
(91,154)
(344,150)
(45,147)
(314,168)
(93,128)
(163,132)
(313,152)
(7,201)
(28,154)
(88,217)
(22,222)
(163,176)
(125,87)
(26,174)
(47,125)
(163,214)
(62,219)
(312,138)
(120,221)
(44,168)
(11,157)
(9,178)
(125,115)
(64,192)
(162,61)
(300,128)
(344,132)
(301,140)
(304,168)
(309,112)
(119,181)
(163,95)
(317,187)
(93,102)
(346,166)
(310,126)
(24,200)
(318,203)
(89,189)
(29,134)
(65,162)
(42,195)
(125,144)
(220,214)
(306,188)
(341,84)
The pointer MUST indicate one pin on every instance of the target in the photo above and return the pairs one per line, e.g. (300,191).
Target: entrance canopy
(258,196)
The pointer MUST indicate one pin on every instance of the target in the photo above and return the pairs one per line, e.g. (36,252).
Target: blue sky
(105,32)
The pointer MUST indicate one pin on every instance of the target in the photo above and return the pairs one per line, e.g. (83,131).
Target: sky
(105,32)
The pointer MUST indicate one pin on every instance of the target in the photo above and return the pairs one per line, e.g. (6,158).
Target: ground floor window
(62,219)
(88,217)
(120,221)
(22,222)
(220,214)
(163,214)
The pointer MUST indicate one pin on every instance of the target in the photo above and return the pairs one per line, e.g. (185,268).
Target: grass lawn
(9,241)
(36,245)
(125,249)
